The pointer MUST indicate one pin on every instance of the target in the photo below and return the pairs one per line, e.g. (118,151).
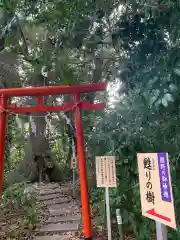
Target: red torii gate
(77,105)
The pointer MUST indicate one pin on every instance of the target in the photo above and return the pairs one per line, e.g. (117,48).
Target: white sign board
(155,188)
(106,172)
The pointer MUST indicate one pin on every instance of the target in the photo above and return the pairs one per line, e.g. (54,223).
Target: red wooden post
(82,170)
(3,104)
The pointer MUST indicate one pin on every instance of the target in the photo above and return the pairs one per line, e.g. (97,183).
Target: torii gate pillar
(3,104)
(82,170)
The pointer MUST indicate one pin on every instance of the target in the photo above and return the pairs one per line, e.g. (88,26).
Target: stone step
(53,191)
(48,186)
(62,212)
(63,205)
(56,201)
(59,227)
(54,237)
(57,219)
(50,192)
(57,212)
(58,209)
(49,196)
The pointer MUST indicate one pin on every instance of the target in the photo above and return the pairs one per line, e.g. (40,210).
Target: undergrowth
(133,222)
(19,210)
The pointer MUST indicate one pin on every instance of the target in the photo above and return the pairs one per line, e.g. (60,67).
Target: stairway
(62,219)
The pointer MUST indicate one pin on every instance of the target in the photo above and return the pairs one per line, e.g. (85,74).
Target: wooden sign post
(156,191)
(106,178)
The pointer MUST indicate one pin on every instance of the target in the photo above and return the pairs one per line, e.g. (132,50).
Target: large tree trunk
(37,144)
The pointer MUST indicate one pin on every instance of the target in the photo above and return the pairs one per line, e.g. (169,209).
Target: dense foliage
(132,44)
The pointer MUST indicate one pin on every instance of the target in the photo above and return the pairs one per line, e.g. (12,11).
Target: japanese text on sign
(164,178)
(106,171)
(150,197)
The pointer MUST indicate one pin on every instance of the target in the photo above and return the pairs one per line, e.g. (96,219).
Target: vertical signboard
(106,172)
(106,178)
(155,188)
